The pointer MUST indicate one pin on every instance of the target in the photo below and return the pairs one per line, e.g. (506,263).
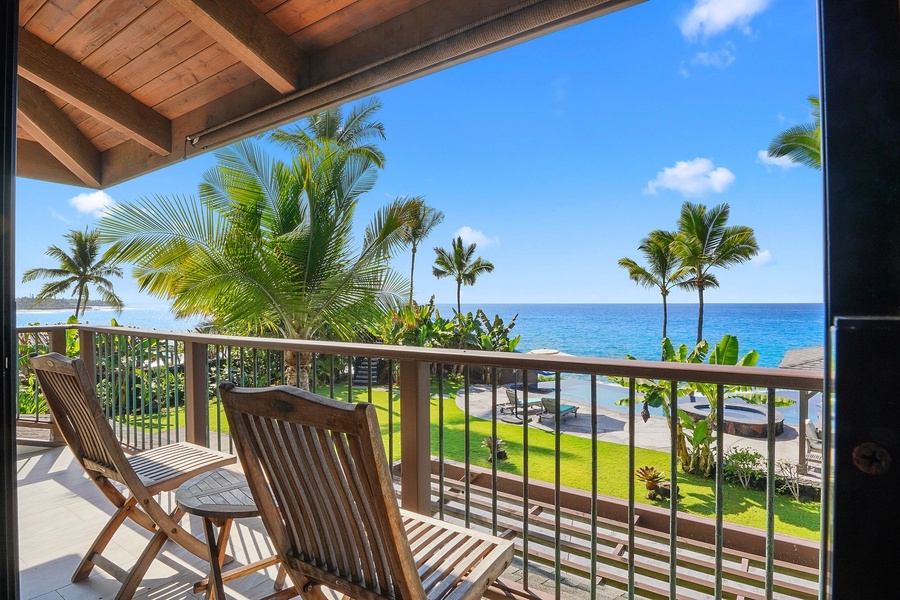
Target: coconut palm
(78,270)
(705,242)
(802,143)
(422,220)
(352,134)
(662,271)
(268,248)
(458,264)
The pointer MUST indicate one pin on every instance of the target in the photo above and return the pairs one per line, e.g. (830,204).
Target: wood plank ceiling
(112,89)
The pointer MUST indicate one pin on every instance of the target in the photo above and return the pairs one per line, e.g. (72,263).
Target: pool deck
(612,425)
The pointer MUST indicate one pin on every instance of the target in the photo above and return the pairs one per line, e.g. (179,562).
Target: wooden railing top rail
(716,374)
(43,328)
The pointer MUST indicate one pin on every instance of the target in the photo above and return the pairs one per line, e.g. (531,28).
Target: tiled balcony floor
(60,513)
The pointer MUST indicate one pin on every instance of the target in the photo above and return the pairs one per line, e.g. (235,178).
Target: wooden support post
(86,350)
(58,341)
(415,436)
(801,427)
(196,391)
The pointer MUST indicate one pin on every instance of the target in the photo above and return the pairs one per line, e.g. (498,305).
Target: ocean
(616,330)
(603,330)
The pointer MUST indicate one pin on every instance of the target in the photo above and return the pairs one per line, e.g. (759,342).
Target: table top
(218,494)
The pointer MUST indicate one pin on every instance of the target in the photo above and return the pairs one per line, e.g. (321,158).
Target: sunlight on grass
(744,507)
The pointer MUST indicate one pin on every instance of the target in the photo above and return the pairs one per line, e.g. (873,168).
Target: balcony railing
(160,387)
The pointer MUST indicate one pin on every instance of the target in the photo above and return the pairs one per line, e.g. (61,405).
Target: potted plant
(652,478)
(497,448)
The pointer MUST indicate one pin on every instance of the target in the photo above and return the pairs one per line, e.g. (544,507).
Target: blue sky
(558,155)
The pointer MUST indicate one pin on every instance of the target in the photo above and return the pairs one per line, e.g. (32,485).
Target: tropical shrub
(744,466)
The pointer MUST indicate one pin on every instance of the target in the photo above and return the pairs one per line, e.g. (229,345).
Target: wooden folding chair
(320,478)
(72,398)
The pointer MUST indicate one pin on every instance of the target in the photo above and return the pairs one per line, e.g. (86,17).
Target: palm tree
(704,242)
(422,220)
(662,270)
(268,249)
(352,134)
(458,263)
(802,143)
(78,269)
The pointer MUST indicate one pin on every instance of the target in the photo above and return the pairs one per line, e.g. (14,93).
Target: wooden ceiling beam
(34,162)
(40,117)
(252,38)
(51,70)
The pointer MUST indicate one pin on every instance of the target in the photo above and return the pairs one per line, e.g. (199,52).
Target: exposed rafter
(251,37)
(57,134)
(34,162)
(55,72)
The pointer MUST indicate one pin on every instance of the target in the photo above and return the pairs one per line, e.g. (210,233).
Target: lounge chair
(72,398)
(813,437)
(513,403)
(549,405)
(319,475)
(814,443)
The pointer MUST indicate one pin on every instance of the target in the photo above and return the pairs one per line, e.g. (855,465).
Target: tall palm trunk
(458,289)
(78,302)
(665,322)
(412,274)
(700,315)
(297,366)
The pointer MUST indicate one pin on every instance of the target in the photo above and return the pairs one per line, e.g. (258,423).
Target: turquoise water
(614,330)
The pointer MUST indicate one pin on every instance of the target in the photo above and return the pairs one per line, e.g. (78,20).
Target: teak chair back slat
(319,474)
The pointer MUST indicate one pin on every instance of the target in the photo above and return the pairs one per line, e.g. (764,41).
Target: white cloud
(474,236)
(762,259)
(718,60)
(712,17)
(682,70)
(692,178)
(775,161)
(97,203)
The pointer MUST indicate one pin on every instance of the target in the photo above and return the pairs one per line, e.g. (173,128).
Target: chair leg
(87,565)
(137,572)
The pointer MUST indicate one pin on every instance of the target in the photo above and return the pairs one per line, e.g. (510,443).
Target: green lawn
(745,507)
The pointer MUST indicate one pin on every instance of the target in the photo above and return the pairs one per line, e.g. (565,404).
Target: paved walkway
(612,425)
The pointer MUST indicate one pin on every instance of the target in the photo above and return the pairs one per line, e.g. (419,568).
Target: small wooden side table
(219,497)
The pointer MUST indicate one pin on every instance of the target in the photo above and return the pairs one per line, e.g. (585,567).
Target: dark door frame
(9,556)
(860,80)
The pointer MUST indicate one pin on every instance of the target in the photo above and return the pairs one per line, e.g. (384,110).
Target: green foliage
(802,143)
(423,326)
(696,440)
(268,247)
(744,466)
